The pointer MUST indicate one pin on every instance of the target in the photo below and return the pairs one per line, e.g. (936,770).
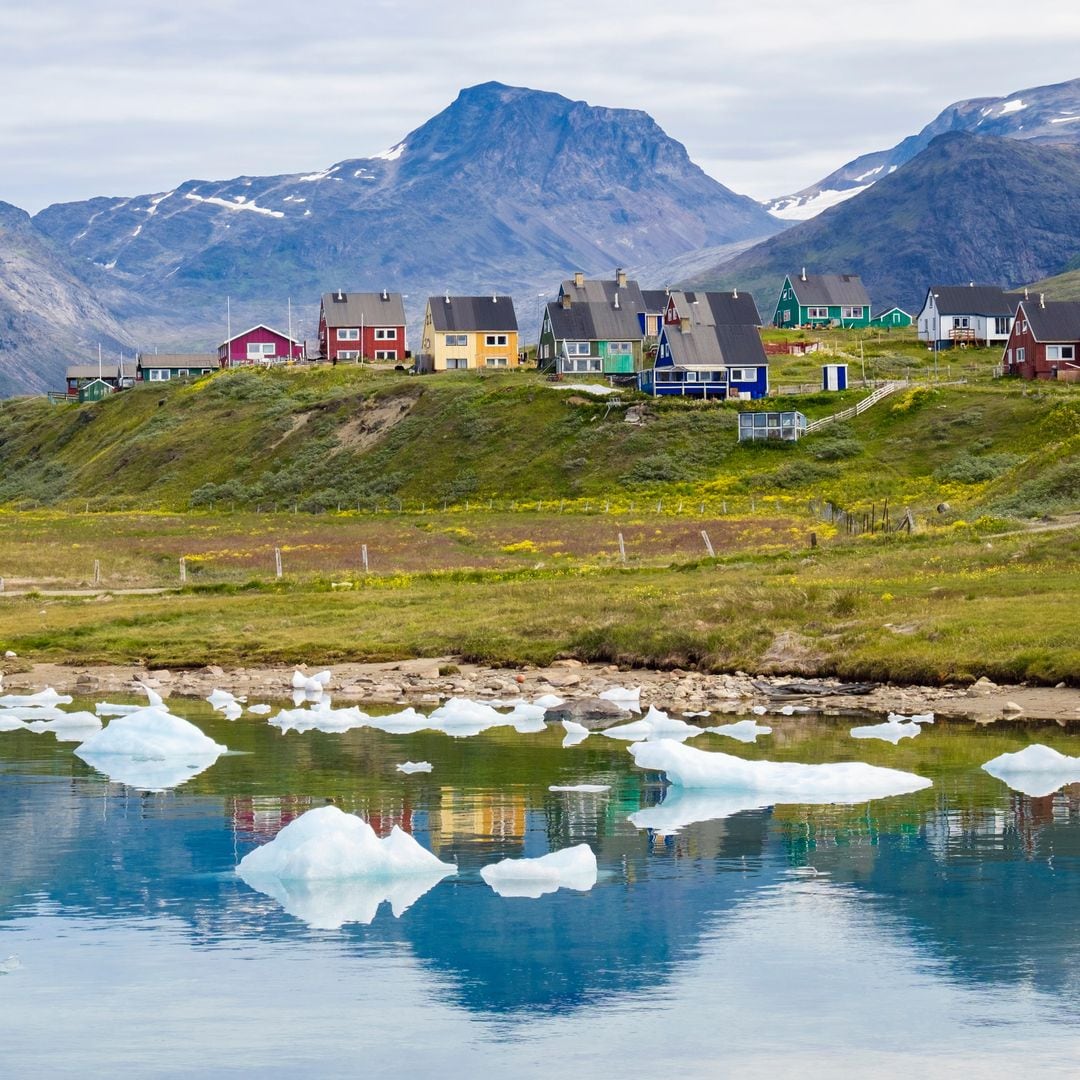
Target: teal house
(818,300)
(594,328)
(893,318)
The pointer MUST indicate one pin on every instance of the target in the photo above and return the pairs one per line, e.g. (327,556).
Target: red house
(259,345)
(1045,341)
(362,326)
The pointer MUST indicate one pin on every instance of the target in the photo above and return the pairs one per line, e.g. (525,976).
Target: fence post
(708,544)
(97,571)
(622,548)
(277,562)
(363,556)
(183,570)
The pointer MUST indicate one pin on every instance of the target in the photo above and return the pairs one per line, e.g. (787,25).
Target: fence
(856,410)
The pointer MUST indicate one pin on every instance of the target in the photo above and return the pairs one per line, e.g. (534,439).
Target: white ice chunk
(759,710)
(893,730)
(320,719)
(32,712)
(313,684)
(745,731)
(10,722)
(682,807)
(68,727)
(415,766)
(232,710)
(1036,770)
(654,725)
(152,696)
(461,718)
(571,868)
(775,781)
(627,699)
(691,715)
(589,789)
(918,718)
(259,710)
(109,708)
(548,701)
(220,698)
(48,696)
(406,722)
(575,733)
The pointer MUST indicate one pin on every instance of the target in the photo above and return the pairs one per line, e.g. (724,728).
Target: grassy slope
(1060,287)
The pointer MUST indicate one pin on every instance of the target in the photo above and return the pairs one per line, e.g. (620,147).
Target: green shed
(94,390)
(893,318)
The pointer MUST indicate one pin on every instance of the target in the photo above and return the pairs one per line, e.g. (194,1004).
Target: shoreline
(429,682)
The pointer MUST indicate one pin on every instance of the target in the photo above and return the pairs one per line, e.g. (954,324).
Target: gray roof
(655,300)
(974,299)
(363,309)
(1057,320)
(710,345)
(472,313)
(829,290)
(719,308)
(593,314)
(177,360)
(92,371)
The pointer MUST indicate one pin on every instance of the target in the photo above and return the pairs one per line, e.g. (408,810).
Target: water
(935,932)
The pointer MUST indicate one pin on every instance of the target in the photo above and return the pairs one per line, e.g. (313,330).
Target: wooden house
(723,308)
(1045,340)
(162,367)
(468,332)
(967,314)
(894,318)
(259,345)
(95,390)
(822,300)
(362,326)
(116,374)
(652,318)
(594,327)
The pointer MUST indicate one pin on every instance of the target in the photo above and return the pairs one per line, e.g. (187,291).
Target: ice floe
(575,733)
(220,698)
(1036,770)
(414,766)
(588,789)
(746,731)
(627,699)
(654,725)
(45,697)
(775,781)
(571,868)
(548,701)
(895,728)
(259,710)
(310,684)
(67,727)
(682,807)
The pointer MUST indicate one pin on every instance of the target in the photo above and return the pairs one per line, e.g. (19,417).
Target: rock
(214,670)
(983,686)
(9,655)
(569,662)
(562,680)
(1012,707)
(519,679)
(636,414)
(590,712)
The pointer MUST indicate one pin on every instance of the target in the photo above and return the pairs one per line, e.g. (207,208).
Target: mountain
(507,189)
(50,315)
(968,208)
(1047,114)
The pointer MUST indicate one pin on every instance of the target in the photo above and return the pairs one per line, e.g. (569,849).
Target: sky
(129,97)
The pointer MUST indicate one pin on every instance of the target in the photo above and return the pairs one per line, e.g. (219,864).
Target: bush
(1056,491)
(655,469)
(967,468)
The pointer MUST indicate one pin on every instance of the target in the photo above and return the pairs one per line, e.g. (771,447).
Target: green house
(822,300)
(893,318)
(594,328)
(94,390)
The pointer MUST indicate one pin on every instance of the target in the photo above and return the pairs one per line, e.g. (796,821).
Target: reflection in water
(904,933)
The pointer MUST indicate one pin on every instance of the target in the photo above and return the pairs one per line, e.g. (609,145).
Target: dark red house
(259,345)
(1045,340)
(362,326)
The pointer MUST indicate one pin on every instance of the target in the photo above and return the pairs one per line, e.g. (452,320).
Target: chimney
(385,295)
(339,297)
(565,301)
(446,298)
(971,284)
(579,279)
(494,298)
(734,294)
(802,276)
(620,278)
(616,301)
(1042,300)
(1025,292)
(684,324)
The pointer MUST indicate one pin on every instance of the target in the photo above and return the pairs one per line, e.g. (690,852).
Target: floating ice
(627,699)
(461,718)
(152,696)
(10,964)
(1036,770)
(109,708)
(775,781)
(68,727)
(589,789)
(692,715)
(791,710)
(654,725)
(682,807)
(759,710)
(415,766)
(575,733)
(893,730)
(326,844)
(745,731)
(150,749)
(11,722)
(45,697)
(571,868)
(259,710)
(324,718)
(219,699)
(310,684)
(918,718)
(548,701)
(406,722)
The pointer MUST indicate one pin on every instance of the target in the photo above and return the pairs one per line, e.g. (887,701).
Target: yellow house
(468,332)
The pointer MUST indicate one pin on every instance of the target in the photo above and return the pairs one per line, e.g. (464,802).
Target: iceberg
(745,731)
(415,766)
(325,719)
(1036,770)
(654,725)
(68,727)
(571,868)
(219,699)
(152,696)
(406,722)
(890,731)
(775,781)
(627,699)
(575,733)
(310,684)
(10,722)
(588,789)
(548,701)
(259,710)
(48,696)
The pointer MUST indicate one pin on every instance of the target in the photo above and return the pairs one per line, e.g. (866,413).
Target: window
(817,313)
(495,361)
(256,350)
(785,315)
(457,341)
(181,372)
(1001,324)
(386,354)
(495,339)
(851,313)
(737,374)
(961,322)
(619,347)
(158,374)
(455,364)
(577,348)
(1059,352)
(1008,358)
(386,333)
(348,354)
(350,333)
(1020,355)
(585,366)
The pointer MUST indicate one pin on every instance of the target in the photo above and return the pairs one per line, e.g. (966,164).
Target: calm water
(937,932)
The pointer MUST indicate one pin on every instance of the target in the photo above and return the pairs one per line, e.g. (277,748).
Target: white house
(967,314)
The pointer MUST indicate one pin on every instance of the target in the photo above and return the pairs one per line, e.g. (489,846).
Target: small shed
(834,377)
(788,426)
(94,390)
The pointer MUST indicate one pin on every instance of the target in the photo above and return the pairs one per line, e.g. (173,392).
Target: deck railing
(856,410)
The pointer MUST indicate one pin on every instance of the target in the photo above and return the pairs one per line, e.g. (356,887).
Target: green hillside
(1064,286)
(328,437)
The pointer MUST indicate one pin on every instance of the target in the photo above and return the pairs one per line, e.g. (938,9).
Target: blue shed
(834,377)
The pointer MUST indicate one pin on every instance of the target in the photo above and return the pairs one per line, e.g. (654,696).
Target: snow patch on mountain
(238,203)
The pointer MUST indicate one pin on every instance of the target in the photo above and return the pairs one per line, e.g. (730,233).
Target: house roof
(363,308)
(92,371)
(655,300)
(829,290)
(1057,320)
(707,345)
(260,326)
(472,313)
(178,360)
(974,299)
(888,310)
(593,314)
(718,308)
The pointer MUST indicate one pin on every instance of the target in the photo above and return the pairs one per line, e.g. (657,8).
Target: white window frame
(348,354)
(386,333)
(738,374)
(1001,324)
(1021,355)
(620,348)
(1060,352)
(457,341)
(348,333)
(261,350)
(576,348)
(961,322)
(457,363)
(181,372)
(386,354)
(853,312)
(817,312)
(495,339)
(158,375)
(496,361)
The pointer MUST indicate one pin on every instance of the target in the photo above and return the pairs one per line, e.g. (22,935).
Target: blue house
(697,357)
